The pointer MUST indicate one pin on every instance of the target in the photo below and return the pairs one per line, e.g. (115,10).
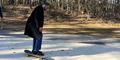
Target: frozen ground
(60,47)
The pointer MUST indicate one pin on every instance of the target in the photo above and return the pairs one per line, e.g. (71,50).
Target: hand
(40,29)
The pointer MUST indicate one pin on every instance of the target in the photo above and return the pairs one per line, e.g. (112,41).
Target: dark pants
(37,43)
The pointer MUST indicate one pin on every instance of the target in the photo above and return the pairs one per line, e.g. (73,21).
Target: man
(34,27)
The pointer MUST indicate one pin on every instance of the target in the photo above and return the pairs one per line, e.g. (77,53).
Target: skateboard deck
(30,54)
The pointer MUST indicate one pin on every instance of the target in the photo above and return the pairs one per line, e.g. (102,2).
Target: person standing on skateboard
(34,26)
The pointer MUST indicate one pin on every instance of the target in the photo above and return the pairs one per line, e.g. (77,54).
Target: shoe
(34,52)
(40,53)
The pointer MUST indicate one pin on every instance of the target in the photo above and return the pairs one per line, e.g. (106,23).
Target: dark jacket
(1,15)
(34,22)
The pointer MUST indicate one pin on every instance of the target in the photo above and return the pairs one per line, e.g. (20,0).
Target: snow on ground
(60,47)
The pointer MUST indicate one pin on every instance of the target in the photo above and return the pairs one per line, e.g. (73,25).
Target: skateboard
(30,54)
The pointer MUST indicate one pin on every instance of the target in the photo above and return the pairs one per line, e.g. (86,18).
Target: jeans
(37,43)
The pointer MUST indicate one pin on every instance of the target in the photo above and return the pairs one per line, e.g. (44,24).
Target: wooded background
(92,8)
(90,17)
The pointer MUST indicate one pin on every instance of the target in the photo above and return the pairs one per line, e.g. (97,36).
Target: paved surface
(58,46)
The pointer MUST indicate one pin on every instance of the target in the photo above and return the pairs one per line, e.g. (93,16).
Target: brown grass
(92,26)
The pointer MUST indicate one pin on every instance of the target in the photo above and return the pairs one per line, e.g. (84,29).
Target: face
(46,7)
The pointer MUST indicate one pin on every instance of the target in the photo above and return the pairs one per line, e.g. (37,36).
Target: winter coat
(34,22)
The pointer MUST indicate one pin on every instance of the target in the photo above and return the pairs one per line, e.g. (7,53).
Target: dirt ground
(85,26)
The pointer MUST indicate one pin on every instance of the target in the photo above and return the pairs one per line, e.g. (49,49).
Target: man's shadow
(46,58)
(87,50)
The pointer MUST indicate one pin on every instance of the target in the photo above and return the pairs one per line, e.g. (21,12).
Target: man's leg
(34,42)
(37,43)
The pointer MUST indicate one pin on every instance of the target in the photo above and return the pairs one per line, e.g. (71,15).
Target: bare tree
(95,8)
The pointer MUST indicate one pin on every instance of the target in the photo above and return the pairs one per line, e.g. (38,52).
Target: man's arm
(40,29)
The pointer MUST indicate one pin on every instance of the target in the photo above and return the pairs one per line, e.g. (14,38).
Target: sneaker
(34,52)
(40,53)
